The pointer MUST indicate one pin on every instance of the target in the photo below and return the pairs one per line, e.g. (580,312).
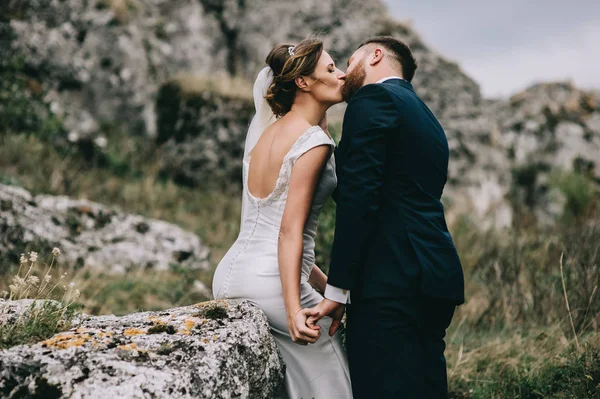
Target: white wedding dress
(250,271)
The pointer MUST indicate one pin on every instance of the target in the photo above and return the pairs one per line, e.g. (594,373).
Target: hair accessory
(291,50)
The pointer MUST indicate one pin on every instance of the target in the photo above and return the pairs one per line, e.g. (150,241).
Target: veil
(264,115)
(263,118)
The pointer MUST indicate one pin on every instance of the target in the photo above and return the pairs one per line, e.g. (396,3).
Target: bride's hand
(299,331)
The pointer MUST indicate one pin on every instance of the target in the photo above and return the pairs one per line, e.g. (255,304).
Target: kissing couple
(394,269)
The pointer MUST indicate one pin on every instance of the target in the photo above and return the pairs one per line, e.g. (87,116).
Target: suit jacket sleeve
(369,118)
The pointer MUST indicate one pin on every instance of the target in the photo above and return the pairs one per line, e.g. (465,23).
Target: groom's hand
(330,308)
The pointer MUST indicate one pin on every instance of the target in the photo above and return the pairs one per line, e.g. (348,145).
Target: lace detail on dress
(281,184)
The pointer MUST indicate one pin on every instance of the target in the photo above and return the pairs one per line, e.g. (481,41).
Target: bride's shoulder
(295,126)
(292,128)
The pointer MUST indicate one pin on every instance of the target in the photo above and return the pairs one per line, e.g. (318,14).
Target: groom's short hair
(399,50)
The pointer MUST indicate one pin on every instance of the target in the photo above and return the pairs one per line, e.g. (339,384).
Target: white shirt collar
(388,78)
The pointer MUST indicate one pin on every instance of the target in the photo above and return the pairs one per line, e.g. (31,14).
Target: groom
(392,249)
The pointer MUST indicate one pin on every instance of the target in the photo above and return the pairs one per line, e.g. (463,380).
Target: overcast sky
(509,44)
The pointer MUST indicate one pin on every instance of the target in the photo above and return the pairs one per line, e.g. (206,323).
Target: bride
(288,174)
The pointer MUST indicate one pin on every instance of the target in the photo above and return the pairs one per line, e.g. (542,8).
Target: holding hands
(303,325)
(300,332)
(330,308)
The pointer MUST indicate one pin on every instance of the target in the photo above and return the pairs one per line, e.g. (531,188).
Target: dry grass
(124,10)
(140,290)
(540,363)
(530,326)
(514,277)
(53,305)
(221,83)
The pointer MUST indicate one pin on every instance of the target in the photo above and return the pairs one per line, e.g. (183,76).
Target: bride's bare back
(270,150)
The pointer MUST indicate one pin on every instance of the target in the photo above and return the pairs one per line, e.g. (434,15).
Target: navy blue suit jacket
(391,238)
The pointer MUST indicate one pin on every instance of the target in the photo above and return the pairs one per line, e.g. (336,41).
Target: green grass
(40,322)
(140,291)
(54,302)
(579,192)
(533,364)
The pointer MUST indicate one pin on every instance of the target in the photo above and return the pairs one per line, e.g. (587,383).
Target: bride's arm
(305,175)
(317,279)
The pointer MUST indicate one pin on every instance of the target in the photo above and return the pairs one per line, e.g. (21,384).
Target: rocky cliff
(98,63)
(518,154)
(136,64)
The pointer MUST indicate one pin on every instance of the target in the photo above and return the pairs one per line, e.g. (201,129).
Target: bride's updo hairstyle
(289,62)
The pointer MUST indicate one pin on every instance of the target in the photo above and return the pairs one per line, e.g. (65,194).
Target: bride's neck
(309,109)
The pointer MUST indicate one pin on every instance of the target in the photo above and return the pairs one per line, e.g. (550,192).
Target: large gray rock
(93,235)
(202,128)
(506,154)
(100,61)
(220,349)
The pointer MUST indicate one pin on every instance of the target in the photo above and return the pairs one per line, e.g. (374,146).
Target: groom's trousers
(396,347)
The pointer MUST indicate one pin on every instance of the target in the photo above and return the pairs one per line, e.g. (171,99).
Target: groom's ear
(377,56)
(301,83)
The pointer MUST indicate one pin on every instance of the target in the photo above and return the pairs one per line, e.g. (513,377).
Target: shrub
(22,108)
(579,194)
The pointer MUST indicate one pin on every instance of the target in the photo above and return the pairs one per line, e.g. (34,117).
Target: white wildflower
(47,278)
(55,252)
(55,107)
(71,284)
(73,136)
(100,141)
(18,281)
(23,259)
(33,280)
(33,256)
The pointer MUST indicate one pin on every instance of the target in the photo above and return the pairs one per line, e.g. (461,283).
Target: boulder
(212,350)
(93,235)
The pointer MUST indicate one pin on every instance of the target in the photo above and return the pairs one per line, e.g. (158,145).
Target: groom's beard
(353,82)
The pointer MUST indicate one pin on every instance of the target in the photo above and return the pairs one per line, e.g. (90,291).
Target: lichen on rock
(108,356)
